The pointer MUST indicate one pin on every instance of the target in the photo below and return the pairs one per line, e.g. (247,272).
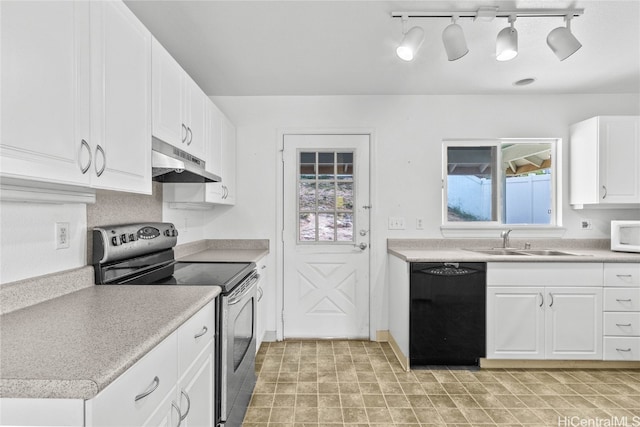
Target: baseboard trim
(558,364)
(269,336)
(385,336)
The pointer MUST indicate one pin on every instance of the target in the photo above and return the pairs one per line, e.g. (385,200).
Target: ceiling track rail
(478,14)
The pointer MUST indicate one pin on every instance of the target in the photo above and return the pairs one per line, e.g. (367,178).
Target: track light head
(507,42)
(562,42)
(410,44)
(454,41)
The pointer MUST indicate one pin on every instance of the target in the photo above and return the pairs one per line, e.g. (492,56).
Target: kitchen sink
(525,252)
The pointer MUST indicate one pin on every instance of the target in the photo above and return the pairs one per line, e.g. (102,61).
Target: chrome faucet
(505,238)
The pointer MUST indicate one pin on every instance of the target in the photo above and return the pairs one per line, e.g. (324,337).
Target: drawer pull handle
(154,385)
(623,300)
(173,405)
(184,393)
(623,275)
(204,331)
(623,324)
(623,349)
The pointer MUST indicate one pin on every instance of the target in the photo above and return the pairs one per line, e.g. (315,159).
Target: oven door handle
(237,298)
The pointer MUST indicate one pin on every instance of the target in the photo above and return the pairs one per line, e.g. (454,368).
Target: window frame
(498,198)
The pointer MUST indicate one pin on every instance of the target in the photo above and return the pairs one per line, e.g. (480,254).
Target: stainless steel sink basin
(497,251)
(547,252)
(524,252)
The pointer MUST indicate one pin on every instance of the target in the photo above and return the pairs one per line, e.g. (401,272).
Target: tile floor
(360,383)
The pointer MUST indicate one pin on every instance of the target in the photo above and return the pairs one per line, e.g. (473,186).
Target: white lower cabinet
(621,311)
(261,309)
(561,321)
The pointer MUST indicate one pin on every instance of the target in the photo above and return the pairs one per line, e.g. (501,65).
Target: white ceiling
(304,47)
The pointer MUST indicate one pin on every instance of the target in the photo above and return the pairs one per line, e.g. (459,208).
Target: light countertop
(440,250)
(75,345)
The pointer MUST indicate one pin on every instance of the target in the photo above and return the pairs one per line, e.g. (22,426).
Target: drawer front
(544,274)
(621,274)
(194,335)
(116,405)
(622,299)
(622,324)
(621,348)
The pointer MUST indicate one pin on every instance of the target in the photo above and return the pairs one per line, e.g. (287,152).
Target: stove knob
(167,233)
(174,233)
(132,237)
(123,238)
(115,241)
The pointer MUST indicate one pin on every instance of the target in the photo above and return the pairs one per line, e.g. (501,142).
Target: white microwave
(625,236)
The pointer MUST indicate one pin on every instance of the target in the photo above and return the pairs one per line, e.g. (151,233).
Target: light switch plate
(396,223)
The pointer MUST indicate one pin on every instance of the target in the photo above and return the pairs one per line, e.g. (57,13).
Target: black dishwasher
(447,317)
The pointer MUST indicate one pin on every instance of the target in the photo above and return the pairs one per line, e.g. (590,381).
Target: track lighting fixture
(562,42)
(411,41)
(454,41)
(507,42)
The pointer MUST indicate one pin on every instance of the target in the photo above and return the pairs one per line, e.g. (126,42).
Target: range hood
(171,164)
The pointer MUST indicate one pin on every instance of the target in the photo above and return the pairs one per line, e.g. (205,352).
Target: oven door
(238,352)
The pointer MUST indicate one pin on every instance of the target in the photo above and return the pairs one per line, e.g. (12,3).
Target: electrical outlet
(585,224)
(396,223)
(419,223)
(62,235)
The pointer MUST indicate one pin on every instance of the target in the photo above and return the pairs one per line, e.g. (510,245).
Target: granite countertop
(437,250)
(75,345)
(218,250)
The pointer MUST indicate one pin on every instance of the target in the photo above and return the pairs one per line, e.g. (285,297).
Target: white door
(515,323)
(326,236)
(573,323)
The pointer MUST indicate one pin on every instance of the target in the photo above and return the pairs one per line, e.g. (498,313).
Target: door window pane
(325,196)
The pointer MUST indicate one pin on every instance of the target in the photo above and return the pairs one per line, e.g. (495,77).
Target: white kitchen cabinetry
(174,380)
(621,311)
(76,95)
(120,99)
(46,92)
(199,196)
(544,311)
(605,162)
(178,104)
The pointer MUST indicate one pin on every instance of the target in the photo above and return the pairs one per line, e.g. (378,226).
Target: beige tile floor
(360,383)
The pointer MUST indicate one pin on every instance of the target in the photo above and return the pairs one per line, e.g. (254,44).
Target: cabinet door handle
(623,300)
(605,192)
(173,405)
(154,385)
(623,324)
(541,299)
(190,136)
(184,133)
(84,144)
(551,296)
(184,393)
(226,191)
(623,349)
(260,293)
(201,333)
(104,160)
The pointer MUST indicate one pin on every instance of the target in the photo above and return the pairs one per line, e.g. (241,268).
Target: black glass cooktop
(224,274)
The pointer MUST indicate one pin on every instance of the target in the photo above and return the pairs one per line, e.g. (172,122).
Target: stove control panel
(116,242)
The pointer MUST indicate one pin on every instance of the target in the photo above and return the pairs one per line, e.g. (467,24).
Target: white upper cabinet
(213,142)
(605,161)
(120,99)
(76,95)
(45,92)
(178,105)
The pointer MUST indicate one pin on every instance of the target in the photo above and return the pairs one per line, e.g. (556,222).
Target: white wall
(406,157)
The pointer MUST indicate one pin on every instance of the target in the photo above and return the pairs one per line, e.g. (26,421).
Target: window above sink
(490,184)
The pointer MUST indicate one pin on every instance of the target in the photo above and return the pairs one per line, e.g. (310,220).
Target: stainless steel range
(142,254)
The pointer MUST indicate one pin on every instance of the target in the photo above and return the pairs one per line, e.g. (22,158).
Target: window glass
(325,197)
(504,182)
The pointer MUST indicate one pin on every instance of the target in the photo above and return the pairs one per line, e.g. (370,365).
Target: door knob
(362,246)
